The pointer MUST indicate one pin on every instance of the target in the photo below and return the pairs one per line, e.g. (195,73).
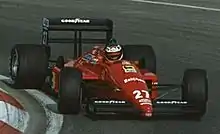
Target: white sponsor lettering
(110,102)
(133,79)
(171,102)
(76,20)
(113,49)
(145,101)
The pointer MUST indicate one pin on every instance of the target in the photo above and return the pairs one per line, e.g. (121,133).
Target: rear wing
(77,25)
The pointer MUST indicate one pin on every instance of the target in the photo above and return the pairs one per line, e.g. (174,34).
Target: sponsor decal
(129,69)
(171,102)
(90,58)
(76,20)
(109,102)
(142,96)
(145,101)
(139,94)
(133,79)
(112,49)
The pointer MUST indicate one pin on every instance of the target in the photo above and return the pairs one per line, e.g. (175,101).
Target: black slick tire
(28,66)
(195,90)
(70,91)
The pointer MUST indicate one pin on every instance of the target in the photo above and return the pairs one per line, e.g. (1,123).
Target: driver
(113,51)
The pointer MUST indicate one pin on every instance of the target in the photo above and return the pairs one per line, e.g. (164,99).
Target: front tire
(195,90)
(70,91)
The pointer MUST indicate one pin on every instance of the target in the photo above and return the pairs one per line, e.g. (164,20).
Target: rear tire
(28,66)
(195,90)
(70,91)
(142,53)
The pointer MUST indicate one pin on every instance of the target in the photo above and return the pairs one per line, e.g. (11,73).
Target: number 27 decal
(141,94)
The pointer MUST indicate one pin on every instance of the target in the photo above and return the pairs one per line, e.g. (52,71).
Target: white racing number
(129,69)
(140,94)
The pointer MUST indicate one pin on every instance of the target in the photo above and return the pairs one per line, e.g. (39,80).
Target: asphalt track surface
(181,37)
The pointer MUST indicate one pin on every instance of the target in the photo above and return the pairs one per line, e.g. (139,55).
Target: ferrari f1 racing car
(119,87)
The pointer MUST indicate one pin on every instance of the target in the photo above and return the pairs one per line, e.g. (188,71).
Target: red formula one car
(89,79)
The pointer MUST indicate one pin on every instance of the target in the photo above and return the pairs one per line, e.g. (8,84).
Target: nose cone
(132,85)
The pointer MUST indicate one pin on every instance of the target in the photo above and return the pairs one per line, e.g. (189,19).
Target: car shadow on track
(135,117)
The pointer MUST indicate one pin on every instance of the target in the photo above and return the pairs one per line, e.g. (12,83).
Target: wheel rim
(14,64)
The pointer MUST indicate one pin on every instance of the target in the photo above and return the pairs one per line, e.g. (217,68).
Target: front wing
(161,107)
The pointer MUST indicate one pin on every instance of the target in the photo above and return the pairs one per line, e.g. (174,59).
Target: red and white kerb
(13,117)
